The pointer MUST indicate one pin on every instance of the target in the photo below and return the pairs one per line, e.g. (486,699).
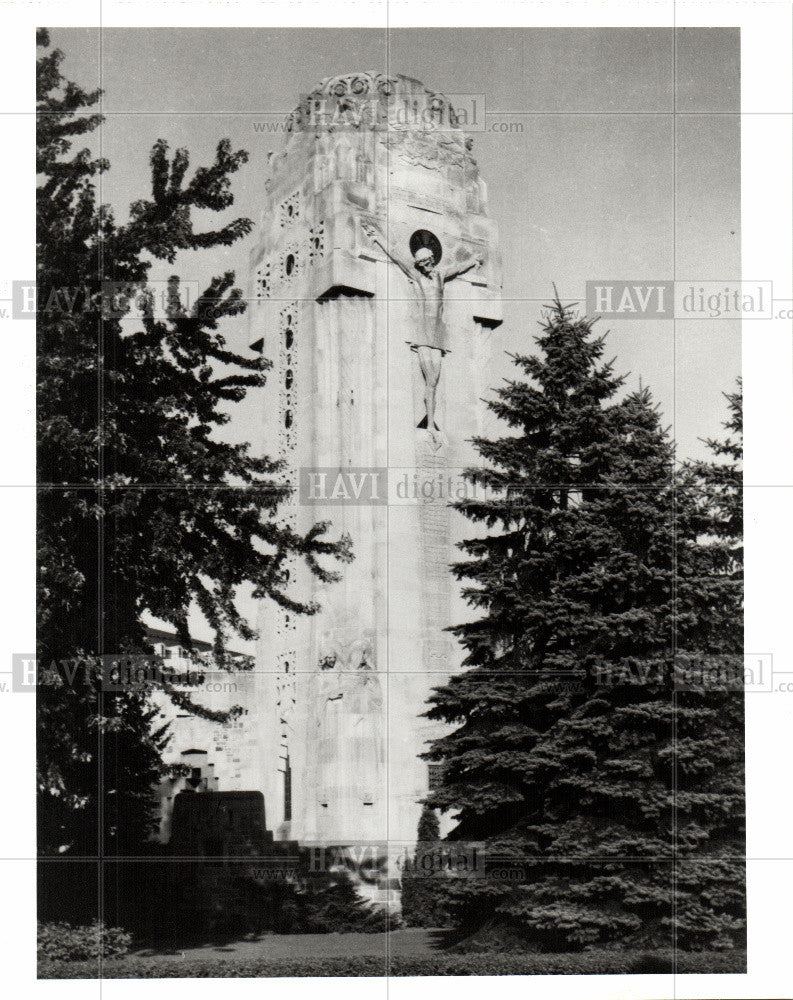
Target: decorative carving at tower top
(370,101)
(358,84)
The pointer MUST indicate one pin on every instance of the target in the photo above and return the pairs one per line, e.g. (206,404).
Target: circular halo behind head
(423,239)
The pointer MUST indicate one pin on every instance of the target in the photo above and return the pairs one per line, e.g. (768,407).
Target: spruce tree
(516,577)
(572,755)
(710,867)
(421,901)
(716,486)
(143,507)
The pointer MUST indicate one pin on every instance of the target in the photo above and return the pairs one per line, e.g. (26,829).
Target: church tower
(375,169)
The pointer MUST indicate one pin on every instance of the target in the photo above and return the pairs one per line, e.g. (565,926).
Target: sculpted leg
(430,364)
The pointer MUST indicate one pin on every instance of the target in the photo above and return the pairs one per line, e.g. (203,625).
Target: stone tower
(374,170)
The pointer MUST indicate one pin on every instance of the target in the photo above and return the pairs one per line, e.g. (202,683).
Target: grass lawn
(406,952)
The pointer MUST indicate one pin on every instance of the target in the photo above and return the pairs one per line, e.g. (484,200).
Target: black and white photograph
(389,499)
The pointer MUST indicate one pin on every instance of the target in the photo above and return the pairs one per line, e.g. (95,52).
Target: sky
(602,181)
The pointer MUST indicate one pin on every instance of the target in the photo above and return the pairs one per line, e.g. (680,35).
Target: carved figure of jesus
(428,282)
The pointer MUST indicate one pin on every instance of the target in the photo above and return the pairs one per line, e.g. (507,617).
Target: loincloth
(414,347)
(438,341)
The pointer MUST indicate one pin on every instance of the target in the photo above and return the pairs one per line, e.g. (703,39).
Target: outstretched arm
(376,236)
(476,260)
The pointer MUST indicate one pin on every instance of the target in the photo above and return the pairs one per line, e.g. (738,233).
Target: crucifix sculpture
(431,337)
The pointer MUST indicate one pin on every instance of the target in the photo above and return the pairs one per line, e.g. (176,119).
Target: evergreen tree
(574,755)
(717,525)
(710,868)
(516,577)
(421,901)
(143,507)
